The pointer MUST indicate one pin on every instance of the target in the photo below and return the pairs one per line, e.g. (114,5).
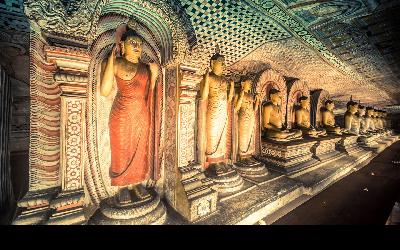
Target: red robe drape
(131,128)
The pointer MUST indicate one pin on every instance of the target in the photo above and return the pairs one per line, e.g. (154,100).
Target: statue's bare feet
(140,192)
(124,196)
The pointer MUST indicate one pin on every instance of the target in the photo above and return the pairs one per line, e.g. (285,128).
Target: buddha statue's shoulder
(269,105)
(324,110)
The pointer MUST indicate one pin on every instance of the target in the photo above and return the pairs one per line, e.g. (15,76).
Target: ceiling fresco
(347,47)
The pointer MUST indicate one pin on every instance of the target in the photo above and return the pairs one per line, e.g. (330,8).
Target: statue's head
(217,64)
(361,110)
(329,105)
(275,95)
(370,111)
(375,113)
(304,101)
(246,85)
(352,107)
(131,44)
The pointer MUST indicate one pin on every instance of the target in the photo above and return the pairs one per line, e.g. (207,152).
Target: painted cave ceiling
(347,47)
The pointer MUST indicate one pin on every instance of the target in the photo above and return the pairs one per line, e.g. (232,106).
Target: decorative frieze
(289,156)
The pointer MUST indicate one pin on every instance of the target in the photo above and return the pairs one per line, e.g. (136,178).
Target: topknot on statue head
(351,103)
(329,101)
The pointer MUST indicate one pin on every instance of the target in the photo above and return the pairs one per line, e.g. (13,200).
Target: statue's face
(246,85)
(361,111)
(305,103)
(276,98)
(330,106)
(217,66)
(353,108)
(133,46)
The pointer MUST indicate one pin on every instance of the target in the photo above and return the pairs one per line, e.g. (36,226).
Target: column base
(225,178)
(251,168)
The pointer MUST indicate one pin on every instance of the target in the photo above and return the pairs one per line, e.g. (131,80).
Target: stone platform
(325,148)
(288,157)
(376,142)
(252,203)
(318,178)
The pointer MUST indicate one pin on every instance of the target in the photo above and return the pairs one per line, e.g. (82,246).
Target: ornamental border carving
(80,22)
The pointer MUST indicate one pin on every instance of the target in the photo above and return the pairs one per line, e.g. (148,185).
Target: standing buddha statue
(215,99)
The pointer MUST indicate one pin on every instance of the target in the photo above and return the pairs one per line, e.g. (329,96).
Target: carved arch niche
(266,81)
(296,89)
(165,43)
(318,98)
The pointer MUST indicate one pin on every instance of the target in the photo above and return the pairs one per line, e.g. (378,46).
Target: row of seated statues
(129,121)
(357,119)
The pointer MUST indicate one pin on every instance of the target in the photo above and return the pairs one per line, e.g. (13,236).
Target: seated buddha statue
(368,117)
(272,119)
(375,120)
(302,118)
(328,118)
(380,120)
(350,119)
(362,126)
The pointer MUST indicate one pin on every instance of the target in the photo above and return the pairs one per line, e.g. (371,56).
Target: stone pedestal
(35,207)
(226,181)
(251,168)
(147,211)
(195,194)
(370,142)
(348,144)
(325,148)
(68,208)
(287,157)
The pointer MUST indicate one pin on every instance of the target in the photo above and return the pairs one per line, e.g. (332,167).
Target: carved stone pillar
(194,196)
(71,76)
(5,114)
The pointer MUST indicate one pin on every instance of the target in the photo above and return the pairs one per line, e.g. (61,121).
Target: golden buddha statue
(214,92)
(375,119)
(272,119)
(130,116)
(350,119)
(328,118)
(246,107)
(362,126)
(369,123)
(302,118)
(380,119)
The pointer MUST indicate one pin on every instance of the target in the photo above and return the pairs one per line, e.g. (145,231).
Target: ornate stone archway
(318,98)
(267,80)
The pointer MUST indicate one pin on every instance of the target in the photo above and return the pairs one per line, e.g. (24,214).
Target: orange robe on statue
(129,130)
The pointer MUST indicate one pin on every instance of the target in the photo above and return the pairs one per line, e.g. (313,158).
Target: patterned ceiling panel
(340,45)
(232,25)
(292,58)
(12,16)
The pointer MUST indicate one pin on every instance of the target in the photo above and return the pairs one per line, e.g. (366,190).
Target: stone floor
(363,197)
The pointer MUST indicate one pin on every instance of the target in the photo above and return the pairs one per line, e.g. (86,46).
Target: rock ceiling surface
(347,47)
